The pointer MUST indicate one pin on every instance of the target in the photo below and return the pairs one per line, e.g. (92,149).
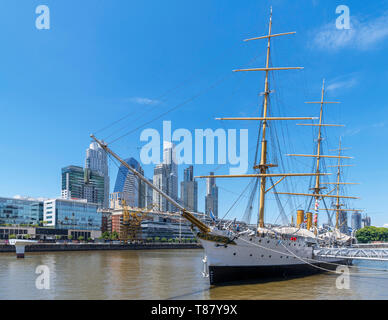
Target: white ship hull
(251,257)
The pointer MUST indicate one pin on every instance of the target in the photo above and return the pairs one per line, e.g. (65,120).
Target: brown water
(164,274)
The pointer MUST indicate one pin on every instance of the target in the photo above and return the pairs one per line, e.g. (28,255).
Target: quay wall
(46,247)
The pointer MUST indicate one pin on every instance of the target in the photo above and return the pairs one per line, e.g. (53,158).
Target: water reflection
(165,274)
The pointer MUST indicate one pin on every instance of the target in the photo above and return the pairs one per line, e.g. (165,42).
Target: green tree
(369,234)
(106,235)
(114,235)
(81,238)
(70,237)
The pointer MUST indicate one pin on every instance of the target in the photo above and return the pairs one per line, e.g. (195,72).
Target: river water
(165,274)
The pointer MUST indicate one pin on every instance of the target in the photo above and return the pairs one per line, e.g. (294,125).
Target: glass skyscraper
(189,190)
(130,187)
(166,178)
(97,160)
(211,199)
(80,183)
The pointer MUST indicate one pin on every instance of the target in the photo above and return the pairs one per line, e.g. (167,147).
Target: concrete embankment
(43,247)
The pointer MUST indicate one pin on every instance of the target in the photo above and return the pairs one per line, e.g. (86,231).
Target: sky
(150,61)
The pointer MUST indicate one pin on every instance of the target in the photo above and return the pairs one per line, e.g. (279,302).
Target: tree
(114,235)
(106,235)
(81,238)
(70,237)
(369,234)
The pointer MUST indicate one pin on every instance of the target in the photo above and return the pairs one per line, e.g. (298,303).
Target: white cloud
(140,100)
(362,35)
(352,132)
(385,225)
(379,125)
(342,84)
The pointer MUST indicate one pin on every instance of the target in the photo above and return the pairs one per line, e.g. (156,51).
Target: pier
(47,247)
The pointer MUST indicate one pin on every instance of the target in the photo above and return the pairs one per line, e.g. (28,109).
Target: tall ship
(266,250)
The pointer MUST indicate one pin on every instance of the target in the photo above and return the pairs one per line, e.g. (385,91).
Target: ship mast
(317,190)
(263,166)
(338,206)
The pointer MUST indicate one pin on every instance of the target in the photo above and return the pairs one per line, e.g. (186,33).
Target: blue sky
(102,60)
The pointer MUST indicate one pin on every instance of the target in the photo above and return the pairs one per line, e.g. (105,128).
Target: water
(165,274)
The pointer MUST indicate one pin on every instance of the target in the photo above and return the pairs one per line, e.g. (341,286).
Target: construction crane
(131,225)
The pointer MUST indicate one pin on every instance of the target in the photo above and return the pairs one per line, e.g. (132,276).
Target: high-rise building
(211,199)
(356,221)
(166,178)
(343,222)
(148,196)
(132,189)
(97,160)
(80,183)
(366,221)
(189,190)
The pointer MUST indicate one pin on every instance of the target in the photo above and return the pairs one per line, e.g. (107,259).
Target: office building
(148,196)
(367,222)
(97,160)
(189,190)
(356,221)
(166,178)
(80,183)
(19,211)
(72,214)
(211,199)
(343,222)
(130,187)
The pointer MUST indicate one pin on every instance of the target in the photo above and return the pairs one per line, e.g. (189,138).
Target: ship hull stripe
(224,274)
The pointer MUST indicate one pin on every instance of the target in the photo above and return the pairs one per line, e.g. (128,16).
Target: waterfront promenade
(49,247)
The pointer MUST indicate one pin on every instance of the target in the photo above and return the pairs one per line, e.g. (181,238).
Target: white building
(71,214)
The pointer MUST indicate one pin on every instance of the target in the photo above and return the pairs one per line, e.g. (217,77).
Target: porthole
(234,253)
(250,255)
(267,241)
(269,256)
(262,255)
